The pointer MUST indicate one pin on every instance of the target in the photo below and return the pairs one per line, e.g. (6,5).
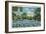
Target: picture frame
(11,6)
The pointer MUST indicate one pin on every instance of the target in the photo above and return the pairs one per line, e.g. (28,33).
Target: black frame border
(6,16)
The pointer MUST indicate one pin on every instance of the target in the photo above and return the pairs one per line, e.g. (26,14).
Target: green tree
(15,8)
(37,14)
(21,9)
(13,16)
(24,15)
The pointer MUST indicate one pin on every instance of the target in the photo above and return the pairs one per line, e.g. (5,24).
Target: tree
(21,8)
(15,8)
(24,15)
(13,16)
(37,14)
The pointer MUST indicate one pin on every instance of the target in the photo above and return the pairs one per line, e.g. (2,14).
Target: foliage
(24,15)
(21,9)
(15,8)
(37,15)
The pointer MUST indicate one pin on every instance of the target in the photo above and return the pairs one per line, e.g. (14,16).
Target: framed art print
(24,16)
